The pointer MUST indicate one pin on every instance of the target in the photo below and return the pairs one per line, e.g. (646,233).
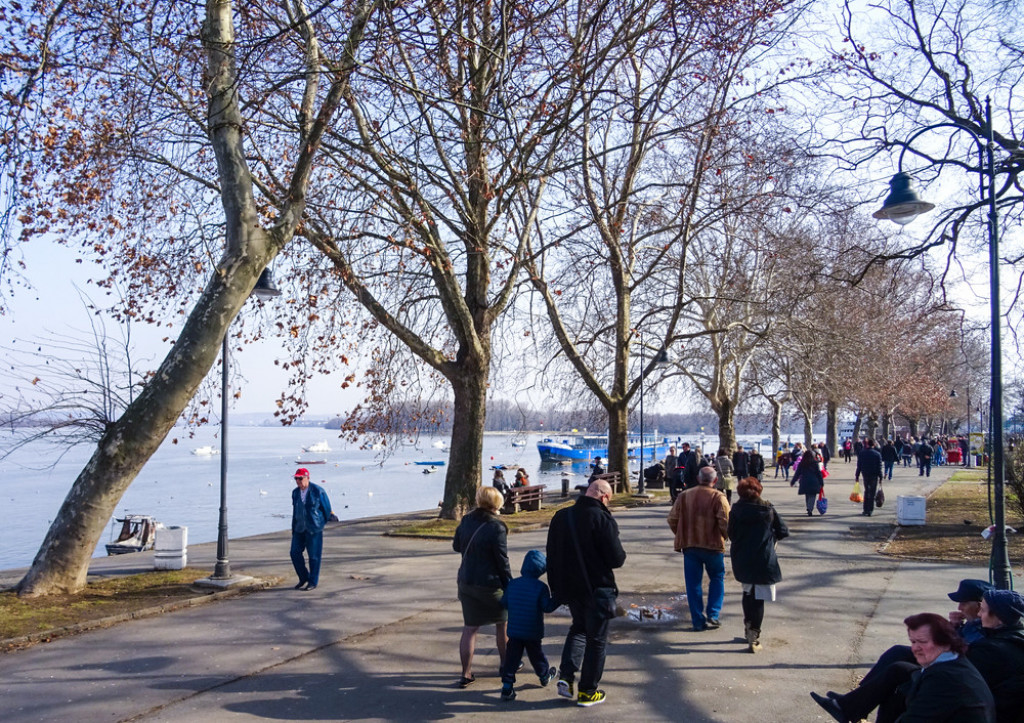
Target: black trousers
(870,488)
(880,688)
(514,654)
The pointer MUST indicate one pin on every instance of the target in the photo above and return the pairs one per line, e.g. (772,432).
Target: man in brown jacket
(700,519)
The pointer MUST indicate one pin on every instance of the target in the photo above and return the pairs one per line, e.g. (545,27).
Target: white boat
(138,533)
(320,446)
(440,444)
(205,451)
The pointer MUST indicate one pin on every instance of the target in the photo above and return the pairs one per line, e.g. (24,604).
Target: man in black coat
(924,459)
(740,462)
(890,456)
(694,463)
(583,550)
(869,464)
(675,479)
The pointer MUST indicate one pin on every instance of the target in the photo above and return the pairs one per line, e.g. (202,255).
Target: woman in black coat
(808,476)
(754,528)
(482,538)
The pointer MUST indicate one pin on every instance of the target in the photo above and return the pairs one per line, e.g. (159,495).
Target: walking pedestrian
(726,476)
(757,465)
(482,538)
(311,509)
(700,520)
(869,465)
(809,480)
(889,458)
(583,551)
(754,529)
(924,459)
(527,599)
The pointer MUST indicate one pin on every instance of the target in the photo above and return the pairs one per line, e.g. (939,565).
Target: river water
(181,488)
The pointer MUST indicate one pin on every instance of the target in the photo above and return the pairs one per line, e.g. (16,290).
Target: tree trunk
(872,424)
(912,427)
(886,426)
(618,444)
(62,562)
(832,428)
(726,428)
(857,424)
(776,430)
(465,463)
(808,429)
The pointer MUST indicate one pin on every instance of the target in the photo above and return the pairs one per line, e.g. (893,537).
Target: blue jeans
(313,544)
(585,644)
(695,562)
(887,472)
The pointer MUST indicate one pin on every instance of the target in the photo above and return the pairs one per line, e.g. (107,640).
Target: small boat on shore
(138,533)
(205,451)
(311,461)
(435,463)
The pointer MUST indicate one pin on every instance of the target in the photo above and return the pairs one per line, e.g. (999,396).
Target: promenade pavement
(378,640)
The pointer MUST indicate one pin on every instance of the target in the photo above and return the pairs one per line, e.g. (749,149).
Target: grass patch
(955,516)
(101,599)
(436,528)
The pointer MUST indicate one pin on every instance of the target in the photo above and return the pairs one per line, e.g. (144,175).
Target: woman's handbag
(856,495)
(822,504)
(879,496)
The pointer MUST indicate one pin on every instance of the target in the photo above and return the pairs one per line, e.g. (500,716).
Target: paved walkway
(379,639)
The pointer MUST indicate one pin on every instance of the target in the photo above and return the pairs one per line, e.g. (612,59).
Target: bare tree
(111,99)
(609,261)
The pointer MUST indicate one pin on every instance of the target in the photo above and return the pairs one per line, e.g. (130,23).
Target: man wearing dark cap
(999,655)
(967,616)
(311,509)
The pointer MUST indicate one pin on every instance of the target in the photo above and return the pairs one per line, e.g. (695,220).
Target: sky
(53,306)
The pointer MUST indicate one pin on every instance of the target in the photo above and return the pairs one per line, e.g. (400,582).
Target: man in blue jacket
(869,464)
(311,508)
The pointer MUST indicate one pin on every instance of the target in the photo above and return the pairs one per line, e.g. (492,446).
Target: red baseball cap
(302,472)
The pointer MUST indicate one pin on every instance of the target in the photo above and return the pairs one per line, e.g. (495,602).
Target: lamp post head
(902,204)
(661,358)
(265,288)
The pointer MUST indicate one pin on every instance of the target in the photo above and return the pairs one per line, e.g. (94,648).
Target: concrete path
(379,639)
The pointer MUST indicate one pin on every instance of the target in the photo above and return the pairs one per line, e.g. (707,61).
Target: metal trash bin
(910,510)
(171,548)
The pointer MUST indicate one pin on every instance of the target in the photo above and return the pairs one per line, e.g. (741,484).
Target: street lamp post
(660,359)
(901,207)
(264,289)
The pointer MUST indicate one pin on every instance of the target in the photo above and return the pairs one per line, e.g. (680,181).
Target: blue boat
(435,463)
(585,447)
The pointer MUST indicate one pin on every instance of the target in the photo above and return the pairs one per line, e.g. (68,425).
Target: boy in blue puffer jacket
(527,599)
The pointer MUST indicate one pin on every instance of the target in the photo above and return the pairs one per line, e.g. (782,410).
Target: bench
(529,498)
(612,478)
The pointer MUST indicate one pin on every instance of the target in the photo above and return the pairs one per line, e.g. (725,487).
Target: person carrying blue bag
(527,599)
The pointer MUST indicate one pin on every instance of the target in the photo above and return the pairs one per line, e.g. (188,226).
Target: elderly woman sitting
(941,685)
